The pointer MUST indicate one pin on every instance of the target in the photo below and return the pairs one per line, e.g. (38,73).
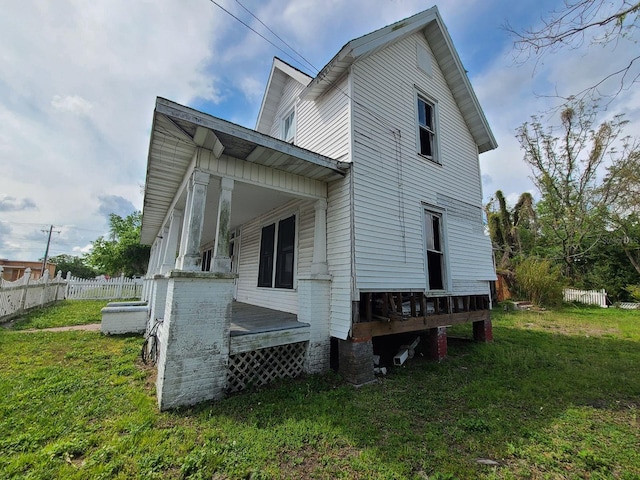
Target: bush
(634,291)
(540,282)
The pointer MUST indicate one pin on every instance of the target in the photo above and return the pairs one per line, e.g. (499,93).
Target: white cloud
(72,104)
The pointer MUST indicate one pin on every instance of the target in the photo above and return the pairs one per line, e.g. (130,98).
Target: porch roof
(178,131)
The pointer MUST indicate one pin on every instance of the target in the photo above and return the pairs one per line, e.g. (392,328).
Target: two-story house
(352,212)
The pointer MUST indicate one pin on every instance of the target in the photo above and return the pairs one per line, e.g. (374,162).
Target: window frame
(290,113)
(433,131)
(276,255)
(443,252)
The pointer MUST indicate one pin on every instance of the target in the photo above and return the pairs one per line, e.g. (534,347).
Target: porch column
(221,259)
(314,299)
(319,261)
(189,259)
(194,338)
(171,242)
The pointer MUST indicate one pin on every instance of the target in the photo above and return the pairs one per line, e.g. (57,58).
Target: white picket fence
(25,293)
(103,288)
(589,297)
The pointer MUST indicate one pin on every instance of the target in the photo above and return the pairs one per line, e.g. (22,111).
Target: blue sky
(79,80)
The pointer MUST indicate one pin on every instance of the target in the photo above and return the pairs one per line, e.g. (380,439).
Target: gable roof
(280,72)
(431,24)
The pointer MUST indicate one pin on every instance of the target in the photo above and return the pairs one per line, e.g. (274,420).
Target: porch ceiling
(177,132)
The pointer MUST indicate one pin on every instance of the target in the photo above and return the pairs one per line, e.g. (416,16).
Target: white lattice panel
(259,367)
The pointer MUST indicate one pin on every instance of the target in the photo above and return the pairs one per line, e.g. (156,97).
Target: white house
(352,211)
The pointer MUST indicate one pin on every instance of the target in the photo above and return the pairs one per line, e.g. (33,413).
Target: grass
(64,313)
(557,395)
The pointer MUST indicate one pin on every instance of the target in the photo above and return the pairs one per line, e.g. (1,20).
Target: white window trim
(436,158)
(276,221)
(425,207)
(288,112)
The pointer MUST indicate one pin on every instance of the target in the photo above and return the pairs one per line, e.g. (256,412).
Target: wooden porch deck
(254,327)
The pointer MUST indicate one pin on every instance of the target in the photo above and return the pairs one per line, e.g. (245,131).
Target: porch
(265,345)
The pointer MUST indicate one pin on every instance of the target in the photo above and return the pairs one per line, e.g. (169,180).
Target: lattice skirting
(259,367)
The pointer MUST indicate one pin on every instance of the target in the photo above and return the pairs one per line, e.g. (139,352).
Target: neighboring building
(13,270)
(352,211)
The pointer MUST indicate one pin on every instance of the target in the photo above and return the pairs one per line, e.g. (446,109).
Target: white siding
(282,299)
(323,127)
(339,257)
(392,183)
(290,92)
(323,124)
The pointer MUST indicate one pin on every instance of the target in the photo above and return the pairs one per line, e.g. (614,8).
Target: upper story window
(289,127)
(427,135)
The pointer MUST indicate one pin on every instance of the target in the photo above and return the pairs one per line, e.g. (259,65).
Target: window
(427,129)
(205,266)
(289,127)
(277,249)
(435,250)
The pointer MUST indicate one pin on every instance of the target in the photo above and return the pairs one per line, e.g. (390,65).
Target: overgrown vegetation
(587,218)
(555,396)
(539,281)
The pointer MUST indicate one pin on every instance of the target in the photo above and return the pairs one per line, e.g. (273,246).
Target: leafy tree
(601,23)
(122,253)
(76,265)
(623,180)
(565,165)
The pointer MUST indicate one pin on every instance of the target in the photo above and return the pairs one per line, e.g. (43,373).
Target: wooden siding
(290,92)
(324,127)
(339,256)
(282,299)
(323,124)
(392,183)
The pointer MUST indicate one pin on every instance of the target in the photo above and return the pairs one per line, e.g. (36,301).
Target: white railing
(103,288)
(589,297)
(24,294)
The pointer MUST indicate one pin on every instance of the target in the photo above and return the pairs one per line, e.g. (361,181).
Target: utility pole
(46,252)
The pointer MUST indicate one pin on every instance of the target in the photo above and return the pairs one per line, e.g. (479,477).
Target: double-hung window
(435,250)
(289,127)
(277,254)
(427,140)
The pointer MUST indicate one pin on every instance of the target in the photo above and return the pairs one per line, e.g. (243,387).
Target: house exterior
(13,270)
(352,211)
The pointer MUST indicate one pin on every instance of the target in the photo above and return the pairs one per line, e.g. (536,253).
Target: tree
(575,202)
(76,265)
(123,253)
(623,179)
(600,22)
(513,232)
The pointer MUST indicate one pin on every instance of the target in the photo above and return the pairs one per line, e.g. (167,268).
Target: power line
(313,67)
(386,123)
(252,29)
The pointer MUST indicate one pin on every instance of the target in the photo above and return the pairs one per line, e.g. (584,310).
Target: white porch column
(319,262)
(171,242)
(221,259)
(189,259)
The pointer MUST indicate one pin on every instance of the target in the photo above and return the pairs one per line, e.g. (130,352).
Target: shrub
(539,281)
(634,291)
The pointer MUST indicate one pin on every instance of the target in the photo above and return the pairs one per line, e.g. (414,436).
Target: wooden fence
(24,294)
(589,297)
(103,288)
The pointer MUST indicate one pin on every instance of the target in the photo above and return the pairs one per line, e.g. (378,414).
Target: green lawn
(557,395)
